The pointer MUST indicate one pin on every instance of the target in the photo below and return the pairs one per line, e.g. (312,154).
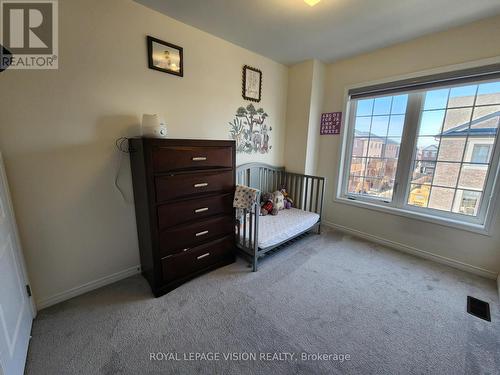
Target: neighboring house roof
(476,130)
(361,134)
(430,147)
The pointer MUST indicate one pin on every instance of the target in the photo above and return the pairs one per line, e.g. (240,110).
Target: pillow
(278,200)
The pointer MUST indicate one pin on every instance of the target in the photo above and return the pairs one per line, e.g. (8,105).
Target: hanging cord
(123,146)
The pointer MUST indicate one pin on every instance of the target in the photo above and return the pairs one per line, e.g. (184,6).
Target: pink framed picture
(330,123)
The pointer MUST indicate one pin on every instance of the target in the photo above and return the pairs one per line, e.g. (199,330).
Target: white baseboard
(87,287)
(417,252)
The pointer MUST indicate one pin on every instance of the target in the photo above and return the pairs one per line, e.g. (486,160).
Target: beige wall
(317,97)
(304,106)
(58,128)
(475,41)
(300,78)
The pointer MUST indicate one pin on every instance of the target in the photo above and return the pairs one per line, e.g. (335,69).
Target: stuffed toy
(287,204)
(266,197)
(278,200)
(267,206)
(287,200)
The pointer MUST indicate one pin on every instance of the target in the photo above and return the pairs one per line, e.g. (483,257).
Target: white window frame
(478,224)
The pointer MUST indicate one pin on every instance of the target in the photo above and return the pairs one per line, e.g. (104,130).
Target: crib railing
(260,176)
(247,230)
(306,192)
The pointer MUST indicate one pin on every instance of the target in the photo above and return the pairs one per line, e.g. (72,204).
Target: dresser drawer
(171,158)
(171,214)
(182,185)
(181,237)
(196,259)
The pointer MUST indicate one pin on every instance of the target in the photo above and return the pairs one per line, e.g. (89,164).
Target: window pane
(360,146)
(391,166)
(382,106)
(379,126)
(467,202)
(427,148)
(372,185)
(451,149)
(358,166)
(431,123)
(473,176)
(362,126)
(419,195)
(462,96)
(355,185)
(396,124)
(399,104)
(436,99)
(364,107)
(488,93)
(423,172)
(375,167)
(486,119)
(378,187)
(376,147)
(382,168)
(392,146)
(446,174)
(441,198)
(457,119)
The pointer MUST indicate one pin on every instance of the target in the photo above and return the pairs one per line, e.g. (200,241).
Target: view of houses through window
(452,150)
(376,143)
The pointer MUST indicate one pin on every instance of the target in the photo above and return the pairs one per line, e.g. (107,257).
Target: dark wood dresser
(183,192)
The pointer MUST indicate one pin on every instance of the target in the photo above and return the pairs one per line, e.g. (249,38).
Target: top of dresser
(185,141)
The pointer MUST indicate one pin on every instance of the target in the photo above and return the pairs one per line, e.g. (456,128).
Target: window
(377,137)
(480,153)
(427,149)
(469,202)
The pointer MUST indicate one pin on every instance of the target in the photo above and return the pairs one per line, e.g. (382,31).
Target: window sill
(470,227)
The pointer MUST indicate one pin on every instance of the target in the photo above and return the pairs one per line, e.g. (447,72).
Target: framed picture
(252,84)
(165,57)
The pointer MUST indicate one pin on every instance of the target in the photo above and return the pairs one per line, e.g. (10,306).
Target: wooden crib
(256,235)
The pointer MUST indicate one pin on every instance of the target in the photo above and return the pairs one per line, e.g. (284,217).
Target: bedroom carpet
(391,313)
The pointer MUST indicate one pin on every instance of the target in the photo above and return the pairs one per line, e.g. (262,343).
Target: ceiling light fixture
(312,2)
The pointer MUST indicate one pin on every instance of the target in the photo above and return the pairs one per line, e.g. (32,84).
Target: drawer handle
(201,184)
(201,233)
(203,256)
(201,210)
(199,158)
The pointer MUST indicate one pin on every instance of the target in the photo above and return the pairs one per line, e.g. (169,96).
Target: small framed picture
(165,57)
(252,84)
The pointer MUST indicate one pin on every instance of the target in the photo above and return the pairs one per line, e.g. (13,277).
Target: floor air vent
(478,308)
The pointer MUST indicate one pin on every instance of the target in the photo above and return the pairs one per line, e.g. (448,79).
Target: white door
(16,307)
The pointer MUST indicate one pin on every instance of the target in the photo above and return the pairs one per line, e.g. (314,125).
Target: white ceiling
(290,31)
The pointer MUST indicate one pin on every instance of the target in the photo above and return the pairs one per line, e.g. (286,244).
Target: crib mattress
(287,224)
